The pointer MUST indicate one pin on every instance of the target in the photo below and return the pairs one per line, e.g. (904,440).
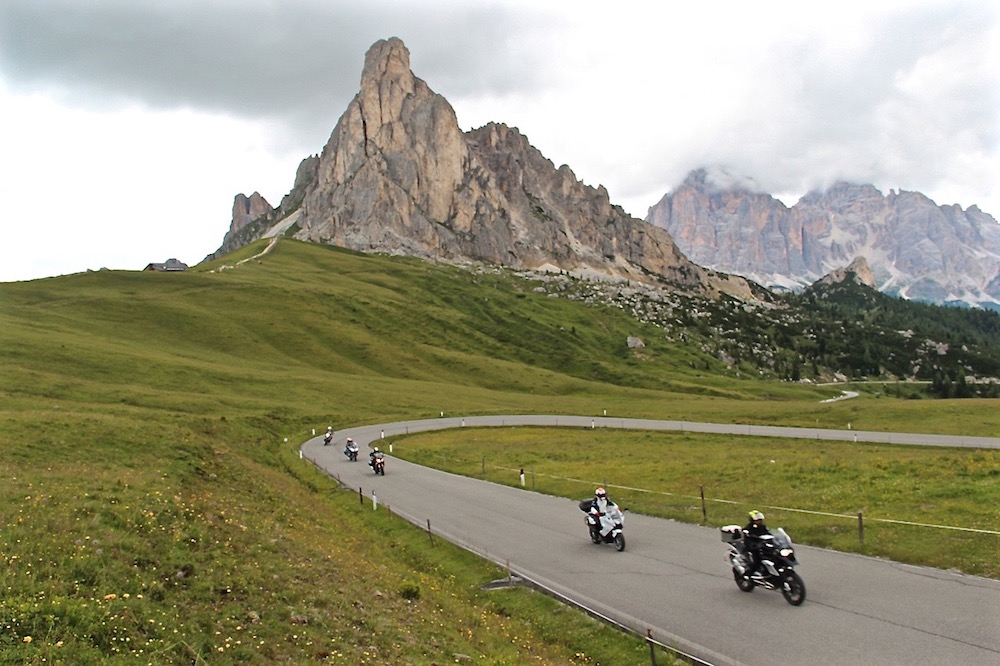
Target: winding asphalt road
(672,579)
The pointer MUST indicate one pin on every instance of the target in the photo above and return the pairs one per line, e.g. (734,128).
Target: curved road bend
(673,579)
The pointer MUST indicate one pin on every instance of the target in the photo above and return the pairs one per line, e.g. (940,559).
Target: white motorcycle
(351,450)
(613,518)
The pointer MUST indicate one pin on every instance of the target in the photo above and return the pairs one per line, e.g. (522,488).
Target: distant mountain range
(914,248)
(399,176)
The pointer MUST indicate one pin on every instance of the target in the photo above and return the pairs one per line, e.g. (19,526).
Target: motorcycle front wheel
(743,582)
(793,589)
(620,542)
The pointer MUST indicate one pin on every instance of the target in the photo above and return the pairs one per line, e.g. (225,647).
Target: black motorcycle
(777,564)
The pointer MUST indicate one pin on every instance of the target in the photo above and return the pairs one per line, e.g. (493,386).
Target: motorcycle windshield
(781,539)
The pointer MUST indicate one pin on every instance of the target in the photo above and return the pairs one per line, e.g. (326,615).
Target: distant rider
(752,533)
(373,455)
(328,437)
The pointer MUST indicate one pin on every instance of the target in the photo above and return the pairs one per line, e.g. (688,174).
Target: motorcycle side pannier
(731,533)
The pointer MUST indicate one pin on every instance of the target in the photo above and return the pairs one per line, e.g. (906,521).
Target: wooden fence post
(861,530)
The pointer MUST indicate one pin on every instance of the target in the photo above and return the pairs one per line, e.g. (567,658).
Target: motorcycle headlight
(786,552)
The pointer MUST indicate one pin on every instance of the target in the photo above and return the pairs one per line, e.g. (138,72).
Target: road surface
(672,579)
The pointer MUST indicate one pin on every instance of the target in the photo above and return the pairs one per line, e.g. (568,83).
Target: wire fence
(529,477)
(701,497)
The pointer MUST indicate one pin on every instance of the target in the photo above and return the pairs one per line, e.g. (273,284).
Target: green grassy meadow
(153,511)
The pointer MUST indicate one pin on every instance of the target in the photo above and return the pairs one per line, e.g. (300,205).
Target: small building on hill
(169,266)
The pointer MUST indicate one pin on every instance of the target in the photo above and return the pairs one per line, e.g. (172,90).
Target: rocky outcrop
(250,217)
(857,272)
(399,176)
(914,247)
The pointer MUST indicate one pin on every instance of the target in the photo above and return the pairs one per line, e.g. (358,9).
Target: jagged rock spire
(386,81)
(399,176)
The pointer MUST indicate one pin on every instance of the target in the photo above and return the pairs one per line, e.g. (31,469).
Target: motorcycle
(378,464)
(614,516)
(351,450)
(777,564)
(327,438)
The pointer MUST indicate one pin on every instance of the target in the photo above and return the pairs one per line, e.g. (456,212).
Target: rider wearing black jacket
(752,533)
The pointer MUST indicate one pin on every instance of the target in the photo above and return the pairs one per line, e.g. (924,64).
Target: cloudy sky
(128,126)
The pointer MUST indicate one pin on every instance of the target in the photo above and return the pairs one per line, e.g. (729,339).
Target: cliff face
(399,176)
(913,247)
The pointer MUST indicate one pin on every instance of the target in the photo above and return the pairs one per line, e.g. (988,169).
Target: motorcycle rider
(328,437)
(752,533)
(371,456)
(600,506)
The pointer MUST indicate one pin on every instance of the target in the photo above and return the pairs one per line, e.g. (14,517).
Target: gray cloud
(295,63)
(908,101)
(901,96)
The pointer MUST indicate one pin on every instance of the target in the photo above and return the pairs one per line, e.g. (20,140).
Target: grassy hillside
(152,508)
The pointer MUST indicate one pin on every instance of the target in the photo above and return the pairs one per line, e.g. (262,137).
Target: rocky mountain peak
(246,209)
(399,176)
(857,272)
(386,81)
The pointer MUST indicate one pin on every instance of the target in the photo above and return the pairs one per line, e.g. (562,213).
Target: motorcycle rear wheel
(620,542)
(743,582)
(793,589)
